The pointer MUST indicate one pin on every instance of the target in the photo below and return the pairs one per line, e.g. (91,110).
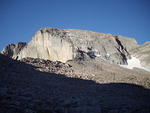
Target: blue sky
(20,19)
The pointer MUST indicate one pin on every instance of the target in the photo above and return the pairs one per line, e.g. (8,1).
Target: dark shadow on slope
(26,90)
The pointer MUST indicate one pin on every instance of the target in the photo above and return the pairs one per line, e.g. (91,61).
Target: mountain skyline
(21,19)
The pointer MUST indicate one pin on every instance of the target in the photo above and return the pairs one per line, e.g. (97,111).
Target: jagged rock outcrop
(67,44)
(12,50)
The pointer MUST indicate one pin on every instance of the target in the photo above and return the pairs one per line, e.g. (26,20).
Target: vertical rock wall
(45,46)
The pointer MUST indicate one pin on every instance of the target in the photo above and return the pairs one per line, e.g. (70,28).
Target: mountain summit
(69,44)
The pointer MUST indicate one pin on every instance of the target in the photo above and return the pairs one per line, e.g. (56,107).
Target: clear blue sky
(20,19)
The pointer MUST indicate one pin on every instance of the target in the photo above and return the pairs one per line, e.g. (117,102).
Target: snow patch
(134,62)
(97,55)
(108,55)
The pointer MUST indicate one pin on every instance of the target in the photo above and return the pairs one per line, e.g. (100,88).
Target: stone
(113,89)
(66,44)
(12,50)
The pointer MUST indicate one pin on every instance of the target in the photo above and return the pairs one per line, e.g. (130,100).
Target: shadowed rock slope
(31,86)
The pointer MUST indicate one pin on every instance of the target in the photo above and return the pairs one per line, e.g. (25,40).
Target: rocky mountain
(69,44)
(34,85)
(75,71)
(66,44)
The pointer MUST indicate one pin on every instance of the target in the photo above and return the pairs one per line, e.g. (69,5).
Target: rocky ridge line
(64,44)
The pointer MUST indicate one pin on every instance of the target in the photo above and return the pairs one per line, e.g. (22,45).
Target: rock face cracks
(45,45)
(68,44)
(123,51)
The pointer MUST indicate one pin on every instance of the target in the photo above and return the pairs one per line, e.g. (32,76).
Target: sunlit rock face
(47,46)
(67,44)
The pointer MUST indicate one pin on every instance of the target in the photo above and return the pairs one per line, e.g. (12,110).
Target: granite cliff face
(46,45)
(67,44)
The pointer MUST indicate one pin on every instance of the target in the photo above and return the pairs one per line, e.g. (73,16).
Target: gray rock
(112,89)
(12,50)
(66,44)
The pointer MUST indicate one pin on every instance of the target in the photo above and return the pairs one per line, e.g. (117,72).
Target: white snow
(97,55)
(133,62)
(108,55)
